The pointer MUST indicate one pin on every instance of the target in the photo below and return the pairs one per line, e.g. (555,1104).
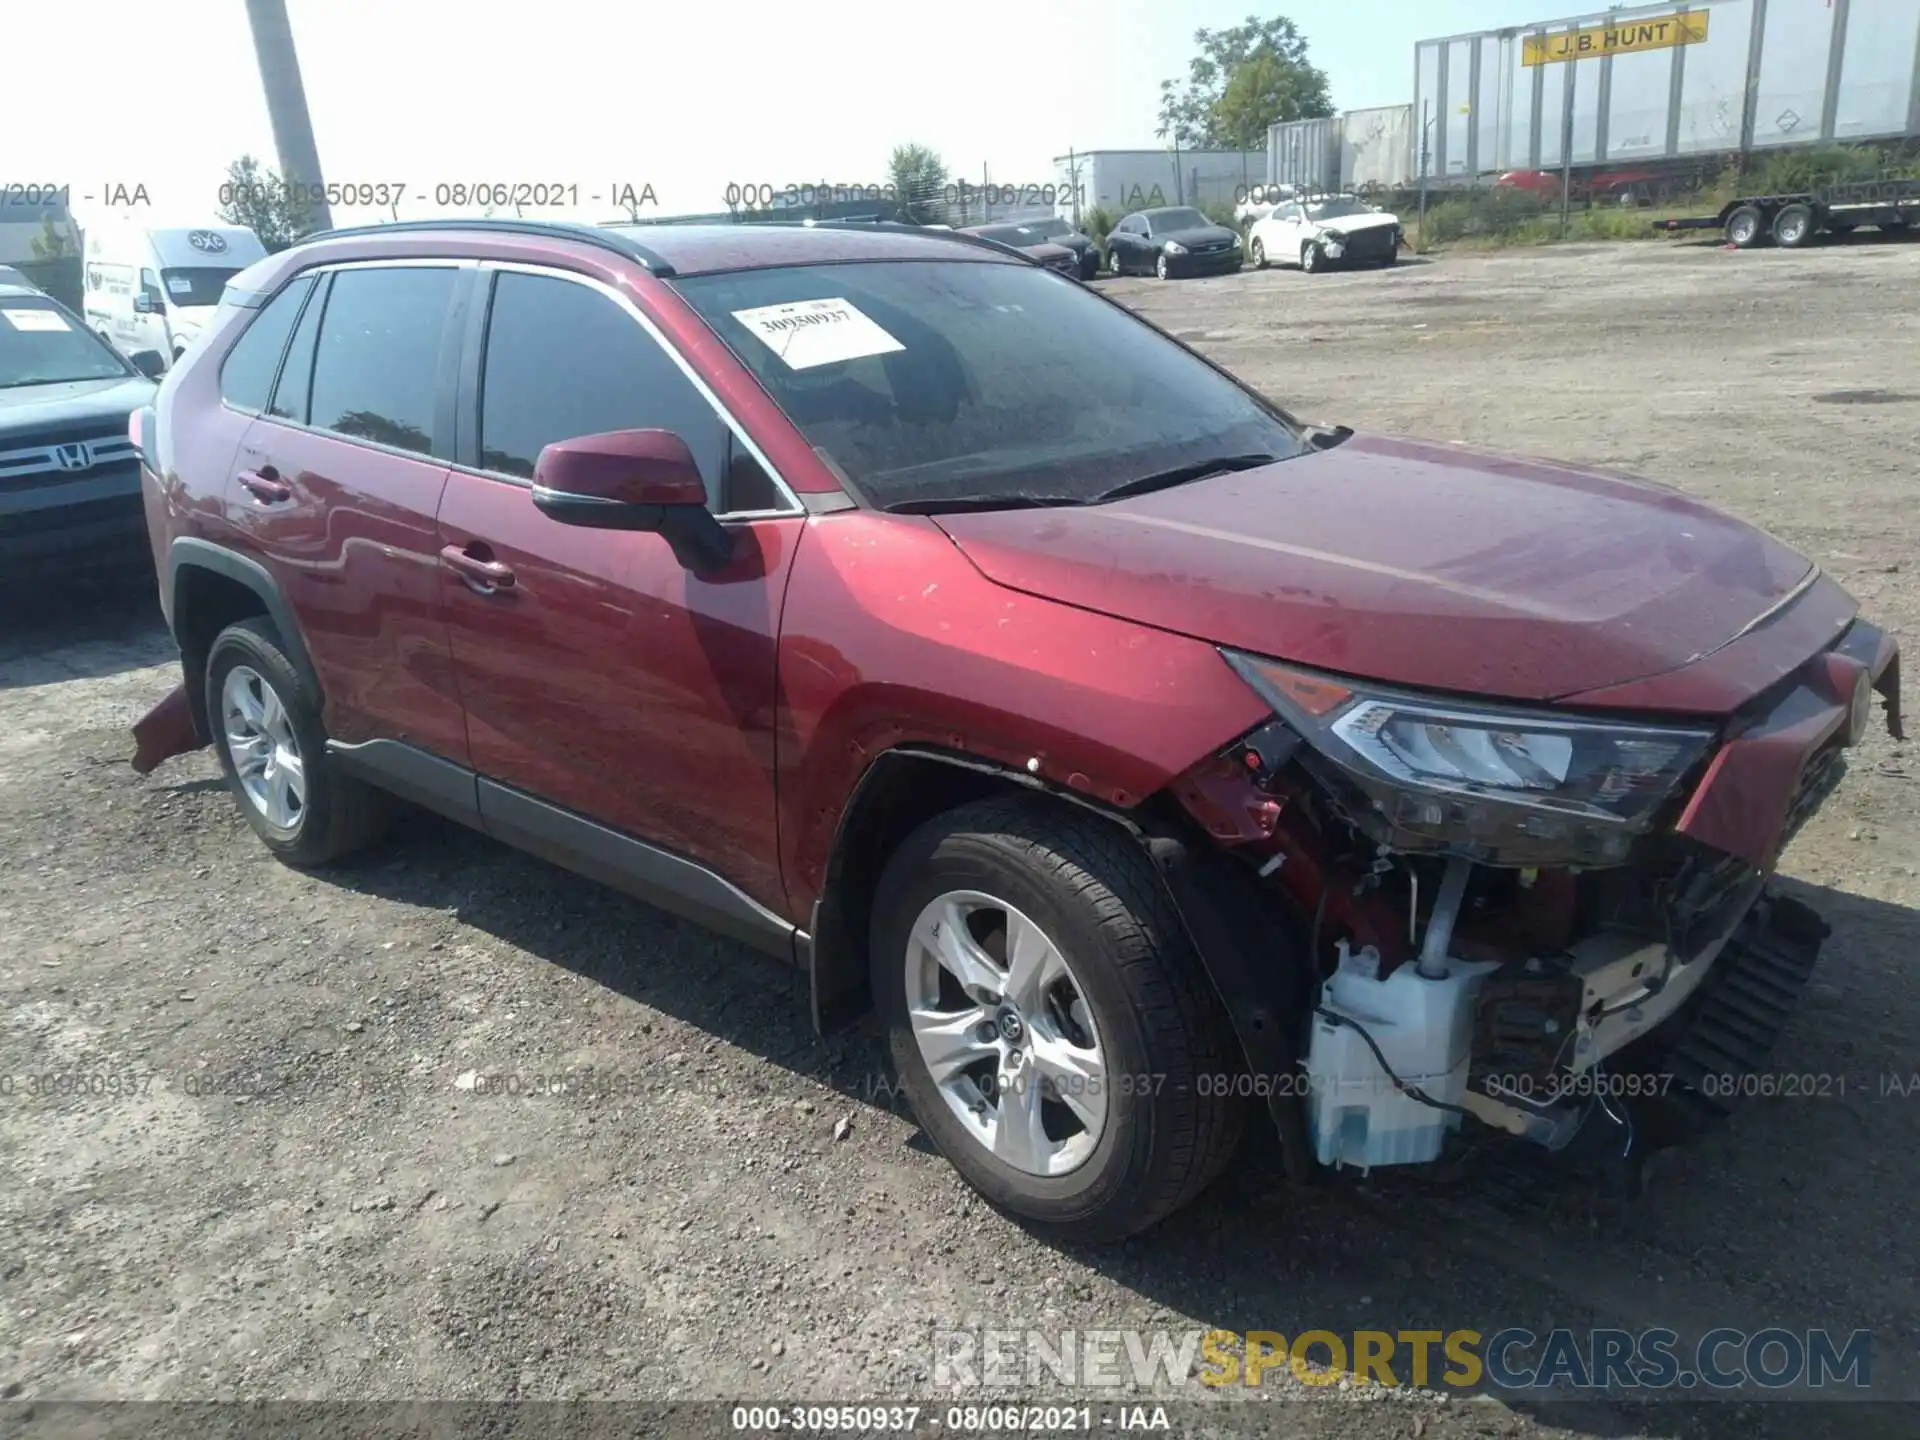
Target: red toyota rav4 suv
(899,607)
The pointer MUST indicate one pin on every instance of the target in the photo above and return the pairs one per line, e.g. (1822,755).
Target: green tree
(257,199)
(919,178)
(1243,80)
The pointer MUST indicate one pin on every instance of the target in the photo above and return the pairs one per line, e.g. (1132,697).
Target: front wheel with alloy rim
(1258,254)
(1160,266)
(1051,1026)
(1310,257)
(272,748)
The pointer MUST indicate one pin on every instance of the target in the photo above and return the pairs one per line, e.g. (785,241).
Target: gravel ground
(300,1191)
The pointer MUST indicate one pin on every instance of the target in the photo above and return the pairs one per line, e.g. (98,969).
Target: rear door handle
(479,572)
(265,485)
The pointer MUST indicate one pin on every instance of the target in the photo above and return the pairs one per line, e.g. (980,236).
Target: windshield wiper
(1181,474)
(955,504)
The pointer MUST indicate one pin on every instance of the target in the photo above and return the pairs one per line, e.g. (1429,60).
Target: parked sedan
(1061,232)
(1029,241)
(1174,240)
(1317,234)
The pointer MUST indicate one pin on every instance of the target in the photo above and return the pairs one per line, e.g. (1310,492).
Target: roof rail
(621,245)
(901,227)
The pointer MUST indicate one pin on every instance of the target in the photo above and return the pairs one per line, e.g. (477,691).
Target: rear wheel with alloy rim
(267,732)
(1051,1026)
(1793,226)
(1259,254)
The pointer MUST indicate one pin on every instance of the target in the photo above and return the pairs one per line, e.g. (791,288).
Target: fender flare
(188,553)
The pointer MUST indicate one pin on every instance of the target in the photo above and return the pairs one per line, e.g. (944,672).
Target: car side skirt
(672,882)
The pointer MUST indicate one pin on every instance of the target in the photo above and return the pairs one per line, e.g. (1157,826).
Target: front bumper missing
(1729,1007)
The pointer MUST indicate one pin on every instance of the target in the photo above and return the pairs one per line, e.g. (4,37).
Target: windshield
(1164,220)
(189,285)
(41,346)
(1051,229)
(1338,206)
(1008,234)
(938,381)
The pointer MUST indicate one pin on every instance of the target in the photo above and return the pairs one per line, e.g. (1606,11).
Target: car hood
(35,407)
(1412,563)
(1349,224)
(1200,235)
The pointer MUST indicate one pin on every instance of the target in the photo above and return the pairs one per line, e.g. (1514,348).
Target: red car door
(604,682)
(336,489)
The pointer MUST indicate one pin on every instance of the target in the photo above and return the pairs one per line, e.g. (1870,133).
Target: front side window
(564,360)
(246,378)
(376,367)
(940,381)
(39,345)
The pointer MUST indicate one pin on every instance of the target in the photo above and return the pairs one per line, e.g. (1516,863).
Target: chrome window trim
(794,507)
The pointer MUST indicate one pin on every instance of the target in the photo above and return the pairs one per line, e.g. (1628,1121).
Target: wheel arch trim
(190,553)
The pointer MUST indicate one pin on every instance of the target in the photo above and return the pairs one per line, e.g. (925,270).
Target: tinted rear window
(246,379)
(377,365)
(940,380)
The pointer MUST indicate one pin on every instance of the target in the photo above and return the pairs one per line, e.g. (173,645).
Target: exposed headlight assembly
(1174,247)
(1503,786)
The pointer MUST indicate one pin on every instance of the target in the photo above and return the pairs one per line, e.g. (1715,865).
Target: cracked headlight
(1502,785)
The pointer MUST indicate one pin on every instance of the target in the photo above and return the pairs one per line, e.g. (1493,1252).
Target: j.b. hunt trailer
(1797,218)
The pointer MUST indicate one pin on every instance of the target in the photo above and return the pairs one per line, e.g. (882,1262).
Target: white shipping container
(1305,153)
(1376,147)
(1121,181)
(1796,72)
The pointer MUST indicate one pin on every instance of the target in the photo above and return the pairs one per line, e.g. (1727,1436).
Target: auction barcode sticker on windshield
(807,333)
(35,319)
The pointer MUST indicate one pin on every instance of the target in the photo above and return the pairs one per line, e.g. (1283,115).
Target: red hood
(1412,563)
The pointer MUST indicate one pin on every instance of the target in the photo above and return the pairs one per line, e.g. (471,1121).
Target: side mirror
(633,480)
(147,303)
(150,363)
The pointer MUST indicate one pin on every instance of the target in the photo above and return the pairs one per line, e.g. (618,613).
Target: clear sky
(591,93)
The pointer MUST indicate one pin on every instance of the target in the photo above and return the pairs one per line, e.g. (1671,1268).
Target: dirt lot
(299,1193)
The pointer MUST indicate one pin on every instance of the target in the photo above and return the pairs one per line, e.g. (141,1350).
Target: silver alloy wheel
(1259,255)
(264,748)
(1160,265)
(1006,1033)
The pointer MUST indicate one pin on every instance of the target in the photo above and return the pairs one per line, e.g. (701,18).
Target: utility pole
(287,106)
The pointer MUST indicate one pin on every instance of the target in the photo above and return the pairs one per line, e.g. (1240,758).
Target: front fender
(892,638)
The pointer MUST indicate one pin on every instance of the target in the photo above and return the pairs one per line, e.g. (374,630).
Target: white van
(153,289)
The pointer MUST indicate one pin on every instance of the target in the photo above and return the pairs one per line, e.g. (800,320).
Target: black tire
(1896,227)
(1794,226)
(1311,260)
(1115,261)
(1161,269)
(1257,252)
(1090,887)
(1090,265)
(1746,227)
(341,814)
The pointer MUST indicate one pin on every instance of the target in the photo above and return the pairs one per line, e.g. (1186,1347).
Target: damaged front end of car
(1551,922)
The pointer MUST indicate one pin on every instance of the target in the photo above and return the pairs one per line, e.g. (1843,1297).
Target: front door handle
(265,485)
(480,573)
